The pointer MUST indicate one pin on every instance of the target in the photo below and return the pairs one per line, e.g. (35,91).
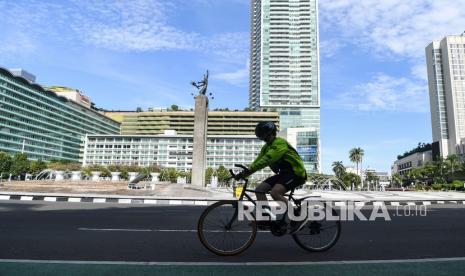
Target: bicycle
(219,233)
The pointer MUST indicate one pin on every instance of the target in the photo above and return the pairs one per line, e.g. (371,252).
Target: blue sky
(144,53)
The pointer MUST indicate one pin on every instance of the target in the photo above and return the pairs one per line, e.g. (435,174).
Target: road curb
(200,201)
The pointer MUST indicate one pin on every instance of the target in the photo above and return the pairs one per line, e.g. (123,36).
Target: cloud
(240,77)
(329,47)
(138,25)
(393,27)
(385,93)
(389,30)
(127,26)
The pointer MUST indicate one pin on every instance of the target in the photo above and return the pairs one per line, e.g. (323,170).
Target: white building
(72,94)
(170,151)
(284,65)
(406,164)
(446,78)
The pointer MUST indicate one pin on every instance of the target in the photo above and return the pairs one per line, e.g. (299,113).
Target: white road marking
(175,202)
(395,203)
(410,203)
(4,197)
(154,230)
(99,200)
(201,202)
(426,202)
(74,199)
(50,198)
(28,198)
(124,200)
(150,201)
(237,263)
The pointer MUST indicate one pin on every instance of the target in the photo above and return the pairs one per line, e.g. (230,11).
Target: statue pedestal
(200,140)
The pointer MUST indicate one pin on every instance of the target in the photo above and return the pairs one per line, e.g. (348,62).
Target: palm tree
(356,156)
(373,179)
(338,169)
(396,178)
(453,161)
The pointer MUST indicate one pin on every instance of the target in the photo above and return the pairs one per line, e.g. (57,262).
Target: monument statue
(202,85)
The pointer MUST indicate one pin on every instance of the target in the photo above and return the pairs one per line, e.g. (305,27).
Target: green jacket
(279,155)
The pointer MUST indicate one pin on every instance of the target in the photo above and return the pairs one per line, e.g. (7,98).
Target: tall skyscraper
(284,68)
(446,78)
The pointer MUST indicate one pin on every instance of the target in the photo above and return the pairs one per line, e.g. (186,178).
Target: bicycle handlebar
(233,175)
(241,166)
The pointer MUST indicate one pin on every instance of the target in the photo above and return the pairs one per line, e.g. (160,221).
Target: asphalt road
(56,231)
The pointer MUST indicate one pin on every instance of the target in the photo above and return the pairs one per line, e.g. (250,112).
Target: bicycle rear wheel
(318,235)
(222,233)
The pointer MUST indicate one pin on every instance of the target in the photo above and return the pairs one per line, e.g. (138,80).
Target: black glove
(243,174)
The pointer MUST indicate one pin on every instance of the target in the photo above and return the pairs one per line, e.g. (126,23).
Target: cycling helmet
(263,129)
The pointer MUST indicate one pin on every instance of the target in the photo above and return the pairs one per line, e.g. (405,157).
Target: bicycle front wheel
(221,232)
(318,235)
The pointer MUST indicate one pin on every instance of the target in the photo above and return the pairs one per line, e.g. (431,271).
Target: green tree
(350,179)
(174,107)
(356,156)
(169,174)
(338,169)
(5,163)
(371,178)
(222,174)
(396,179)
(440,171)
(105,172)
(64,166)
(37,166)
(124,175)
(208,174)
(20,165)
(86,171)
(453,162)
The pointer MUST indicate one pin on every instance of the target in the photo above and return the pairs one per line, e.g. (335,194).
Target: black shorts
(290,181)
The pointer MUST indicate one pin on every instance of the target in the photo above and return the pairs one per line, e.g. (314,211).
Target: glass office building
(42,124)
(284,64)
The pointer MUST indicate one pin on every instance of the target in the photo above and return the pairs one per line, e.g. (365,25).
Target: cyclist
(283,160)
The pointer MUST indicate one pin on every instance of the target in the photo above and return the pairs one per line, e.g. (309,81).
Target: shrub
(105,172)
(436,186)
(447,186)
(169,174)
(457,185)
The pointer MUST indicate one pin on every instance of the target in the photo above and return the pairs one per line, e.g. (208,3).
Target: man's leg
(260,191)
(277,193)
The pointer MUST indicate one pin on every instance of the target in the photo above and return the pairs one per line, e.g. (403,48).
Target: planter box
(96,176)
(76,175)
(115,176)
